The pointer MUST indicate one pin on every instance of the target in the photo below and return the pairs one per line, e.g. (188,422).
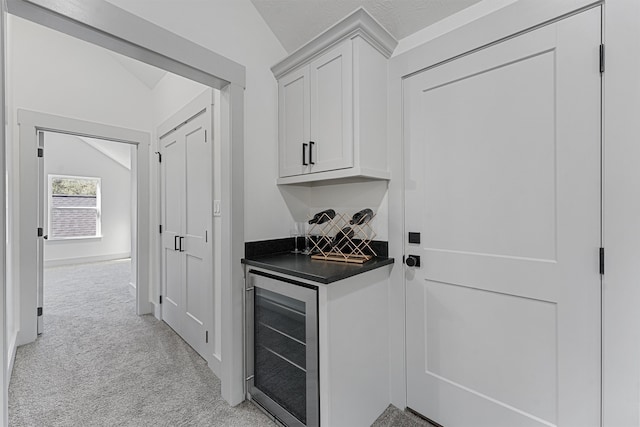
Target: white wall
(70,155)
(234,29)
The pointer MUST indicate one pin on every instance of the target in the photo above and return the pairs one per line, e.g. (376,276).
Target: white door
(502,180)
(172,186)
(42,207)
(331,77)
(187,239)
(293,122)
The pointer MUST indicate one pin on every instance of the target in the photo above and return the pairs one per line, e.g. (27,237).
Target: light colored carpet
(394,417)
(98,364)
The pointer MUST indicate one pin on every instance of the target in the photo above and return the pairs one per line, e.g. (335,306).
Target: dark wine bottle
(322,217)
(343,238)
(361,217)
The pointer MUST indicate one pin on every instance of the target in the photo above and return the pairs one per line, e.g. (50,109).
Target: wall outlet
(216,208)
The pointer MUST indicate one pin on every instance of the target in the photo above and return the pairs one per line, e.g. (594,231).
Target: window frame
(97,208)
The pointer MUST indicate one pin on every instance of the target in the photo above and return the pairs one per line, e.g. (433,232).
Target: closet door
(187,239)
(196,243)
(172,188)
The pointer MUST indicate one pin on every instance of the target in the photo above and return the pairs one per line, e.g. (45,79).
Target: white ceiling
(295,22)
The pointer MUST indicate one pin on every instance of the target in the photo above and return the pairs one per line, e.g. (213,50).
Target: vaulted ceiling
(295,22)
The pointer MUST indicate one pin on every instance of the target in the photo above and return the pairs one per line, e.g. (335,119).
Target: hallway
(99,364)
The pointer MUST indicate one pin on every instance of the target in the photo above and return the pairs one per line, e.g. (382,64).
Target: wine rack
(338,240)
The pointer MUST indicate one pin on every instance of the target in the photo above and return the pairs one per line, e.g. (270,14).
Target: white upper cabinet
(332,104)
(293,118)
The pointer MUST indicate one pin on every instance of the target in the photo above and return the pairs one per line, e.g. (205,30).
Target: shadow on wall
(344,196)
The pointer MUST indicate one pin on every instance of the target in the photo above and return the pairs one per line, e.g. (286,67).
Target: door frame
(30,123)
(103,24)
(483,30)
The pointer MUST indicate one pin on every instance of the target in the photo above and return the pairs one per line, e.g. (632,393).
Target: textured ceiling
(295,22)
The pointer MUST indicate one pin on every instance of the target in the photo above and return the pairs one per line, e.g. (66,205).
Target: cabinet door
(293,122)
(331,77)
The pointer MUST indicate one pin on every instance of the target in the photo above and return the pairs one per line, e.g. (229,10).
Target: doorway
(86,199)
(161,48)
(32,127)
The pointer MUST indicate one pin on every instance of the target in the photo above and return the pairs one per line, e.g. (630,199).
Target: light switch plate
(216,208)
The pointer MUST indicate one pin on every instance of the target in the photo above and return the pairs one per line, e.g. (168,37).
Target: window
(74,207)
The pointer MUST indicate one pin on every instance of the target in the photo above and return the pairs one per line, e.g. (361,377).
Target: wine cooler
(282,348)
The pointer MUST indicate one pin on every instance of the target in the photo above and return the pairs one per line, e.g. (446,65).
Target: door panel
(332,109)
(198,285)
(293,121)
(502,178)
(172,190)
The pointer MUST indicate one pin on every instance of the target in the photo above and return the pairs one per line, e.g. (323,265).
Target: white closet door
(187,238)
(198,283)
(172,187)
(502,179)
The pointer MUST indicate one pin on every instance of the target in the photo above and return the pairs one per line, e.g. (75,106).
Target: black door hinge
(206,337)
(160,228)
(40,152)
(160,299)
(601,260)
(40,232)
(205,135)
(159,156)
(39,311)
(601,58)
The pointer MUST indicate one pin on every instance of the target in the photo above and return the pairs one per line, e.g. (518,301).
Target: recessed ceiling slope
(295,22)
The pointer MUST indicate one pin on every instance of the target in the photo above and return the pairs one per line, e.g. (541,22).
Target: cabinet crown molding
(358,23)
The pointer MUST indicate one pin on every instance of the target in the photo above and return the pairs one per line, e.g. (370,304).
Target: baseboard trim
(157,311)
(215,364)
(13,347)
(132,289)
(85,260)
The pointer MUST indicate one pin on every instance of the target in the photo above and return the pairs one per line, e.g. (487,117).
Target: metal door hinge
(160,299)
(601,58)
(160,228)
(602,261)
(39,311)
(159,156)
(205,135)
(40,152)
(40,232)
(206,337)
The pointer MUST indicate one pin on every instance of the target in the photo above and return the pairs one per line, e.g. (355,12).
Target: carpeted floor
(98,364)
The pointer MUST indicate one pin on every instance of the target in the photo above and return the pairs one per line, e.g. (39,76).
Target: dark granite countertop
(320,271)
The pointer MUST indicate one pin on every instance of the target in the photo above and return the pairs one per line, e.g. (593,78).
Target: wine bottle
(322,217)
(342,238)
(361,217)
